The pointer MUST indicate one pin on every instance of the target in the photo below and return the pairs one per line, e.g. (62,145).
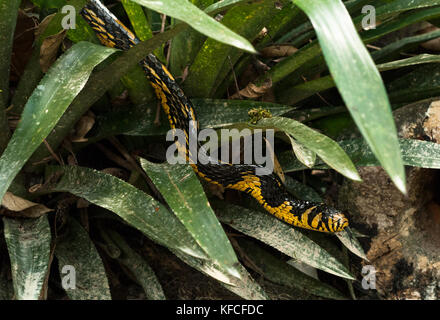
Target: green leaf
(245,287)
(64,80)
(138,20)
(304,155)
(358,81)
(221,5)
(183,192)
(327,149)
(419,59)
(132,205)
(278,271)
(49,4)
(28,242)
(415,153)
(74,248)
(138,267)
(279,235)
(196,18)
(351,243)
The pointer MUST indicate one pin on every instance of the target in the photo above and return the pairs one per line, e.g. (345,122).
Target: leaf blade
(358,81)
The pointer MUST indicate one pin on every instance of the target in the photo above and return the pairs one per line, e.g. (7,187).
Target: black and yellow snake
(268,190)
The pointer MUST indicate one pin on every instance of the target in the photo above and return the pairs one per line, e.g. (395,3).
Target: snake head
(336,220)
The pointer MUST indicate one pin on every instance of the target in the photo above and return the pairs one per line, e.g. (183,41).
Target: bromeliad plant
(212,59)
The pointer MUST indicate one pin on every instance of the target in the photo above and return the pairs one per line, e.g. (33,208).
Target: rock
(404,231)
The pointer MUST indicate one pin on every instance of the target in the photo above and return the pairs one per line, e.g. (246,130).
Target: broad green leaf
(419,59)
(397,6)
(304,155)
(64,80)
(245,287)
(196,18)
(183,192)
(133,205)
(415,153)
(138,267)
(28,242)
(278,271)
(140,24)
(138,20)
(327,149)
(279,235)
(221,5)
(358,81)
(79,262)
(351,243)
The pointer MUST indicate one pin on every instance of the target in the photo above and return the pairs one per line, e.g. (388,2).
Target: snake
(267,189)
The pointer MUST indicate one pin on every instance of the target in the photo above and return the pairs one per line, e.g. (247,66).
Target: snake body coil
(268,190)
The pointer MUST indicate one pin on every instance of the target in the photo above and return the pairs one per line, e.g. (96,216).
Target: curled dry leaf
(434,44)
(22,207)
(252,91)
(84,125)
(278,51)
(49,49)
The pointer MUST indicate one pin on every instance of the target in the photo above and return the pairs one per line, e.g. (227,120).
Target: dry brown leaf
(49,49)
(278,51)
(253,91)
(23,207)
(434,44)
(83,126)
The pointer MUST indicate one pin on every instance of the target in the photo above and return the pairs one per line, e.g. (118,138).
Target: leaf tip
(400,183)
(353,175)
(233,271)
